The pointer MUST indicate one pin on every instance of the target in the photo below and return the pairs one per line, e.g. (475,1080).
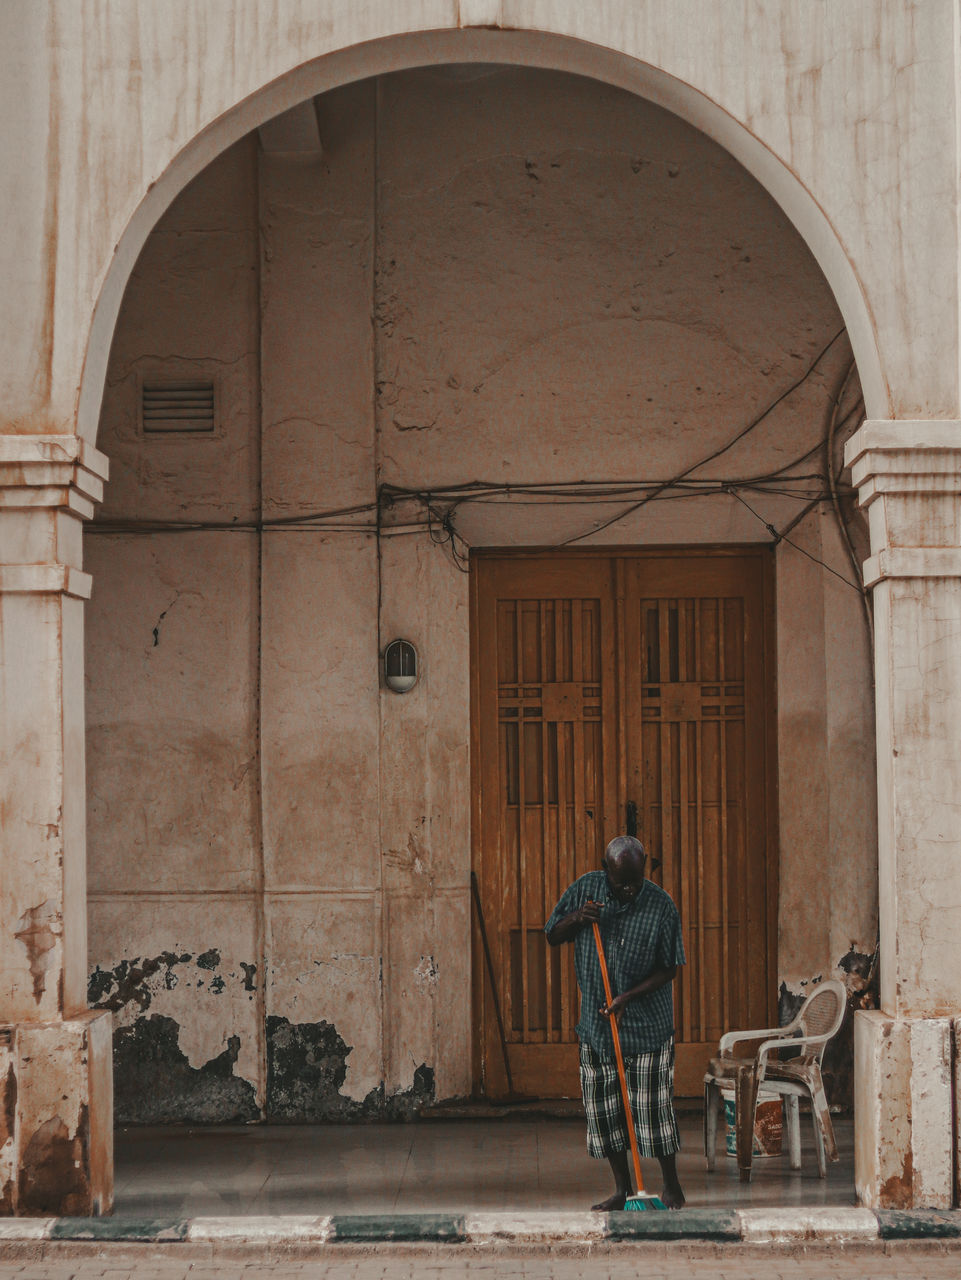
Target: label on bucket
(768,1126)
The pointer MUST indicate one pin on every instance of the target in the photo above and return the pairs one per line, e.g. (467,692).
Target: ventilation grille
(177,407)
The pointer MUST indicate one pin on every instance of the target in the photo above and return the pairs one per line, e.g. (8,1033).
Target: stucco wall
(493,274)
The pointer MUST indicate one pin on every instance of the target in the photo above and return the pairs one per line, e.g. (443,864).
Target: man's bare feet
(672,1197)
(622,1184)
(612,1204)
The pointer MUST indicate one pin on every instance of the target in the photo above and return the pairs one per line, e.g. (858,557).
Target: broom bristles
(634,1204)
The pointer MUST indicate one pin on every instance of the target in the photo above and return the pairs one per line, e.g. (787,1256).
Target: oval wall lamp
(400,666)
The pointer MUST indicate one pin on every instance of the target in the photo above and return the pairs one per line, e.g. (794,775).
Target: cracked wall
(488,273)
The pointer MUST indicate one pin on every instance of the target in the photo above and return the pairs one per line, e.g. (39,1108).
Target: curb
(836,1226)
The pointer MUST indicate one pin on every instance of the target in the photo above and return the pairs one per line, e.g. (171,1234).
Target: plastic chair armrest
(736,1037)
(797,1041)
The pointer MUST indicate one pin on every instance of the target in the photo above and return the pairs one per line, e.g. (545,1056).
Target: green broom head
(636,1204)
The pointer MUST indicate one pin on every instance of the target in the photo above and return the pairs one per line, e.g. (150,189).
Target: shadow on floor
(432,1166)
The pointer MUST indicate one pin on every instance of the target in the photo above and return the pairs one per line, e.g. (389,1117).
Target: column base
(56,1117)
(903,1112)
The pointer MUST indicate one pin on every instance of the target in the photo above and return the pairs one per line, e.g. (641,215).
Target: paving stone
(446,1263)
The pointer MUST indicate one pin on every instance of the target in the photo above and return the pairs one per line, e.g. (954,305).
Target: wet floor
(430,1166)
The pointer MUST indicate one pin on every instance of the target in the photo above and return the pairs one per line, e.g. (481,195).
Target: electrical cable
(836,502)
(781,537)
(536,493)
(717,452)
(440,505)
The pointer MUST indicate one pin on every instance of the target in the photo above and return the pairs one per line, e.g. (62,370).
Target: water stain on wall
(8,1120)
(54,1173)
(38,930)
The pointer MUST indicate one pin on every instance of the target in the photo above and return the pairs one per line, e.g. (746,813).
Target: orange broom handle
(621,1075)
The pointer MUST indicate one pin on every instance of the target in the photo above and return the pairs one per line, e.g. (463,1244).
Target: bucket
(768,1124)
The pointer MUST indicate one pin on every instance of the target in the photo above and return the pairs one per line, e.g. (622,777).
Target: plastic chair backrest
(823,1010)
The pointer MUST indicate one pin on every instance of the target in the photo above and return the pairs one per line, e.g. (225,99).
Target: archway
(485,46)
(404,847)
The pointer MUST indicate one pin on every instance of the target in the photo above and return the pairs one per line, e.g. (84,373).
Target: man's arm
(570,926)
(654,981)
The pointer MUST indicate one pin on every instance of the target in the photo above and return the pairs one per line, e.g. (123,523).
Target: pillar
(908,477)
(56,1145)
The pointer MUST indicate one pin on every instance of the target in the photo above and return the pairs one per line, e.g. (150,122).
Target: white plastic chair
(768,1075)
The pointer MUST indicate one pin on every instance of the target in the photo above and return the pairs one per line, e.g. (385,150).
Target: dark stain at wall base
(306,1068)
(54,1173)
(154,1082)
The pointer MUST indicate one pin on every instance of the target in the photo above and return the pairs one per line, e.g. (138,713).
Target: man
(641,932)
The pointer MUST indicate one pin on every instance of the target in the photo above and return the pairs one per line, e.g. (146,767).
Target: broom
(643,1199)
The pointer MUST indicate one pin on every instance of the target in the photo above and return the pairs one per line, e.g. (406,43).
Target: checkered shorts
(650,1083)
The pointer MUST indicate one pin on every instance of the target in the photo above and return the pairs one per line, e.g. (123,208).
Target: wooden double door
(620,692)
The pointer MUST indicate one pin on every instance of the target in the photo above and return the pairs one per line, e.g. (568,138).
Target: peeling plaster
(897,1192)
(306,1069)
(427,973)
(413,858)
(182,1051)
(154,1083)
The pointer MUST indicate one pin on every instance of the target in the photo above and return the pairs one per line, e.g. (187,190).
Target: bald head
(624,862)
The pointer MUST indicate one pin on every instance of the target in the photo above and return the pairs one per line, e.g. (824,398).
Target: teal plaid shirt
(638,937)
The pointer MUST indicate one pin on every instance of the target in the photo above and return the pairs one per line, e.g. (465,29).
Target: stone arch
(523,48)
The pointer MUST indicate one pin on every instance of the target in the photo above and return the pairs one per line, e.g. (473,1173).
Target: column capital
(908,478)
(51,471)
(905,457)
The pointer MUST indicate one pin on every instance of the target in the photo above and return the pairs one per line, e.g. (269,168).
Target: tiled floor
(430,1166)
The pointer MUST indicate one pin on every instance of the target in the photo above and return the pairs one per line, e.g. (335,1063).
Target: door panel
(546,743)
(696,743)
(601,680)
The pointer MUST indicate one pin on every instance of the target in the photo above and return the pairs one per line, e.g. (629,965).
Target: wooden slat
(722,769)
(622,695)
(669,867)
(566,832)
(685,860)
(548,672)
(693,674)
(522,878)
